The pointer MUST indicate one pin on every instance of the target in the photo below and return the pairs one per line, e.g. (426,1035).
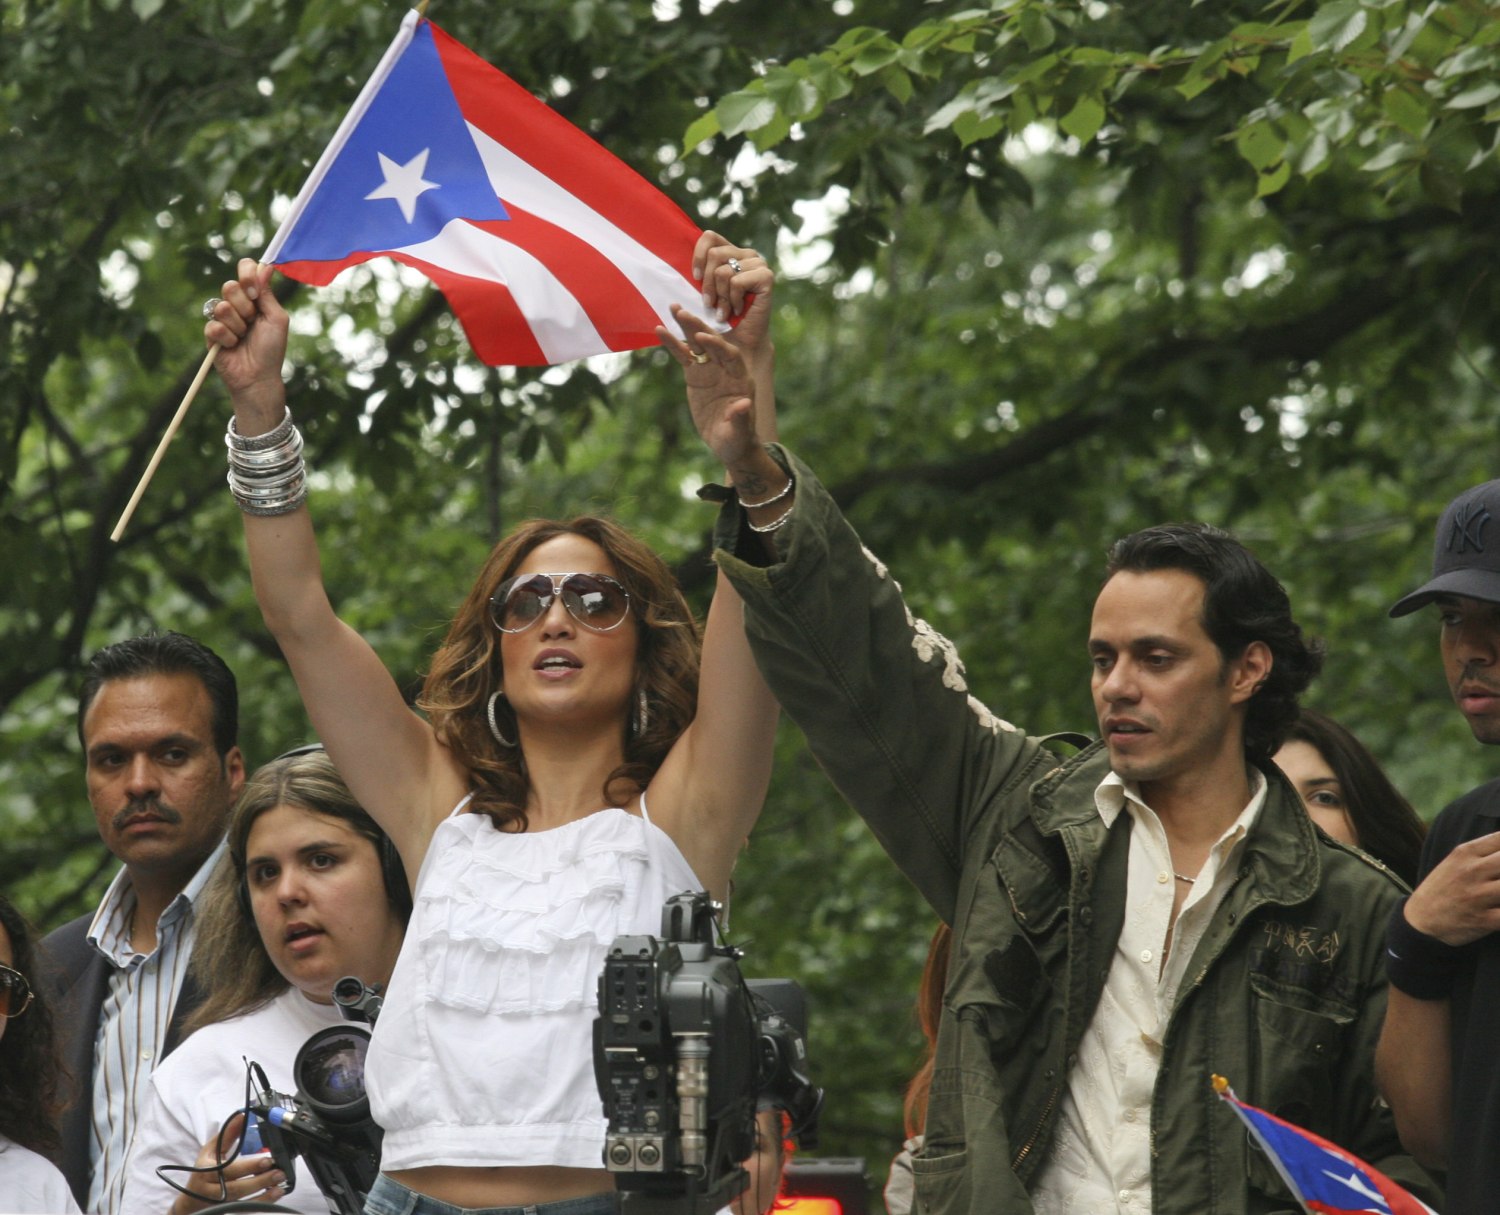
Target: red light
(806,1204)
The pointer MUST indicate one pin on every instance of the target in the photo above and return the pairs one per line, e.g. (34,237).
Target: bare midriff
(503,1186)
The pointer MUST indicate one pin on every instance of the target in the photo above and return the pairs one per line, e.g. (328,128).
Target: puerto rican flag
(1321,1175)
(547,247)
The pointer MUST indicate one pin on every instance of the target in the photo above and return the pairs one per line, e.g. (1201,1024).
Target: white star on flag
(404,183)
(1359,1187)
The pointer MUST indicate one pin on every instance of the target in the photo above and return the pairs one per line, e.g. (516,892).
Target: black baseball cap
(1465,553)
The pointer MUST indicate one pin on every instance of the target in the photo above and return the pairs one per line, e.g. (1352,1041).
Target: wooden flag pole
(161,448)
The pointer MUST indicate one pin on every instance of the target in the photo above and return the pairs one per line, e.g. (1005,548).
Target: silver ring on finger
(734,264)
(209,306)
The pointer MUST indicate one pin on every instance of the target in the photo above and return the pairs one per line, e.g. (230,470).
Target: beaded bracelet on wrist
(267,474)
(790,485)
(781,520)
(277,435)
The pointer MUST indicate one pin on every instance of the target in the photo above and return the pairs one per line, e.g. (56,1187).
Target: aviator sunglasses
(596,601)
(15,992)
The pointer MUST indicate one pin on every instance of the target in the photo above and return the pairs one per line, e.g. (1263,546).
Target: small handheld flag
(1322,1176)
(547,247)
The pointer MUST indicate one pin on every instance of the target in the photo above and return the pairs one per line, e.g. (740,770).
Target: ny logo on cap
(1468,528)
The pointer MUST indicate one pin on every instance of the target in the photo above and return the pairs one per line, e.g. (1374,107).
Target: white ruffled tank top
(483,1051)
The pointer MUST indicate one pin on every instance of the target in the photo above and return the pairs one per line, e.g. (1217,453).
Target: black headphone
(392,871)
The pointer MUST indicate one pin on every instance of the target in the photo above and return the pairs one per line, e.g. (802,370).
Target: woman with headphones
(311,891)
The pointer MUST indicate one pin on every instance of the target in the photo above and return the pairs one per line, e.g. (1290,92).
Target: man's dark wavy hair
(1242,603)
(31,1075)
(168,653)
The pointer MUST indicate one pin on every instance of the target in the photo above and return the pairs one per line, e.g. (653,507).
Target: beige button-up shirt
(1101,1160)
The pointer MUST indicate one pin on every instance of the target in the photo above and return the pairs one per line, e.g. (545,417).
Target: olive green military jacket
(1284,994)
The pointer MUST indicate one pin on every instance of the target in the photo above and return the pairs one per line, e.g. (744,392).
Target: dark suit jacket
(77,977)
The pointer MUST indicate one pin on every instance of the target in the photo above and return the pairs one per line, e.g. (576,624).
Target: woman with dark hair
(29,1079)
(1348,794)
(570,690)
(308,894)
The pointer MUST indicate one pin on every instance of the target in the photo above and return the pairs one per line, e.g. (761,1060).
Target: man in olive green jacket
(1127,922)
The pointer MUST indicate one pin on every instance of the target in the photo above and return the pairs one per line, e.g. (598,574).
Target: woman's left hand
(736,281)
(720,391)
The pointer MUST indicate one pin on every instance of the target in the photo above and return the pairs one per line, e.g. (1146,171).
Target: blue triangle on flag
(413,113)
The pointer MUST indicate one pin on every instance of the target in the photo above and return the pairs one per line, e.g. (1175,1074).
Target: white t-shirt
(201,1084)
(31,1184)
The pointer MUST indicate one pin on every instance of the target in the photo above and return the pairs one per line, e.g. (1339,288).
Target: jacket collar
(1281,855)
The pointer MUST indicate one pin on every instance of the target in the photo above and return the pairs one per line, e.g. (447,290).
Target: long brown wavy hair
(466,670)
(229,962)
(929,1014)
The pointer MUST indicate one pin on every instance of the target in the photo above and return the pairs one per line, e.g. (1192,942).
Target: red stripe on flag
(619,312)
(320,274)
(496,327)
(512,117)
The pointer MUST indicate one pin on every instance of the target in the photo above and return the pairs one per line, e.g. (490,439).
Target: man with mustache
(1437,1063)
(158,717)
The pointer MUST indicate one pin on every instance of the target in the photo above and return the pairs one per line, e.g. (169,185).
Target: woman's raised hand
(249,326)
(731,275)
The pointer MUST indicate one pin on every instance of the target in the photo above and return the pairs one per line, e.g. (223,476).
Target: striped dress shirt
(133,1021)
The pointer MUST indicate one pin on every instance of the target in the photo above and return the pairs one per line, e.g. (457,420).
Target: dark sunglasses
(596,601)
(15,992)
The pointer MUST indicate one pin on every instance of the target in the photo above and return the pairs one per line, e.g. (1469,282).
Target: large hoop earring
(641,717)
(489,712)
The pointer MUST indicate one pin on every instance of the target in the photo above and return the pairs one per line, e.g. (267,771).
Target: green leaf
(768,136)
(1389,156)
(1336,26)
(705,127)
(1260,144)
(1084,119)
(1270,183)
(878,54)
(1473,99)
(1036,29)
(948,114)
(971,128)
(1313,156)
(146,9)
(852,39)
(897,83)
(829,81)
(1408,108)
(793,92)
(744,111)
(1301,47)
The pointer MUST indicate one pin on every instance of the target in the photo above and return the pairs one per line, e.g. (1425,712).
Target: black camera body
(683,1052)
(328,1121)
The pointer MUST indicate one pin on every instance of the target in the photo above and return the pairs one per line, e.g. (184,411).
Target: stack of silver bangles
(267,474)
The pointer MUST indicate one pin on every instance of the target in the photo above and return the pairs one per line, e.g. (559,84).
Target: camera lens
(330,1072)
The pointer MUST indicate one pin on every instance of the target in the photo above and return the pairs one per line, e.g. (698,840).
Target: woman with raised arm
(581,759)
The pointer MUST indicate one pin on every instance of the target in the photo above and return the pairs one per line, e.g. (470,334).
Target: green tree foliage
(1052,271)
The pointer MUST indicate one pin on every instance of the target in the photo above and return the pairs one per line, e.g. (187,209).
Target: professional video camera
(328,1122)
(683,1052)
